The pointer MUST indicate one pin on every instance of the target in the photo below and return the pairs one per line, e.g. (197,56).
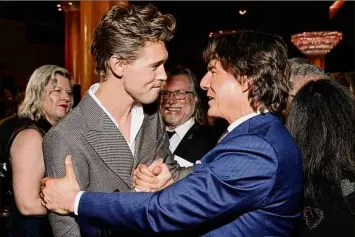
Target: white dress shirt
(239,121)
(175,140)
(136,123)
(136,119)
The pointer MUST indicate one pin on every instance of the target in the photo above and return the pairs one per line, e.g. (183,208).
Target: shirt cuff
(76,202)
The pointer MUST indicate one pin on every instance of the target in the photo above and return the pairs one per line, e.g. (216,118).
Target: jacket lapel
(255,124)
(139,148)
(186,140)
(106,139)
(150,140)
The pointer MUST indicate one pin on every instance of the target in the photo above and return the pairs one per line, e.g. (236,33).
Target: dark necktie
(170,134)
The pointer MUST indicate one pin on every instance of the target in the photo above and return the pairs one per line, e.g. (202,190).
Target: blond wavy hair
(32,105)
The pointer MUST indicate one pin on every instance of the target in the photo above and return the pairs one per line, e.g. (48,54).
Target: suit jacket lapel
(186,139)
(138,143)
(253,123)
(150,140)
(107,140)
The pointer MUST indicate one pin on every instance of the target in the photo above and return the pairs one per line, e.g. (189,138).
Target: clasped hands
(58,194)
(152,178)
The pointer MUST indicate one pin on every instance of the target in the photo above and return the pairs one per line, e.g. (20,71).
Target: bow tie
(170,134)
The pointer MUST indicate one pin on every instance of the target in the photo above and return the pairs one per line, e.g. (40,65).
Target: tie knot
(170,134)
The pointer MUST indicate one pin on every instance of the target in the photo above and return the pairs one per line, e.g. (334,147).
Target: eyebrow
(62,88)
(159,62)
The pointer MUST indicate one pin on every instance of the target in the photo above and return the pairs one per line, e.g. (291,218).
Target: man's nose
(162,73)
(205,82)
(171,98)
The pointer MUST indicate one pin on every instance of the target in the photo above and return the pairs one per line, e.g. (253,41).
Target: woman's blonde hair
(32,105)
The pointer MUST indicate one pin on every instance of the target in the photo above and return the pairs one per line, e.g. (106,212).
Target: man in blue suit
(250,184)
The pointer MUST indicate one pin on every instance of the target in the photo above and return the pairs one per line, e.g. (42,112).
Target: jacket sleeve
(236,176)
(56,146)
(177,172)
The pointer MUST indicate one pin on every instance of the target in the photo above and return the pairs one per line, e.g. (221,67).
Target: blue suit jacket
(250,185)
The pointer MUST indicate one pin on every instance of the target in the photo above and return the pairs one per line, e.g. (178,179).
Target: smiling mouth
(173,109)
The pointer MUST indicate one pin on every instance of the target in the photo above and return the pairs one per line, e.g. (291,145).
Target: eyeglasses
(179,94)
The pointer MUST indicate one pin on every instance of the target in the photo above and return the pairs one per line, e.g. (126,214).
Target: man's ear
(117,66)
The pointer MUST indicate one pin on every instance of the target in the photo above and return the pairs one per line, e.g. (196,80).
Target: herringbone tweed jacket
(101,156)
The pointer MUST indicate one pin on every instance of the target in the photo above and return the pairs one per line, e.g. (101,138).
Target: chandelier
(316,43)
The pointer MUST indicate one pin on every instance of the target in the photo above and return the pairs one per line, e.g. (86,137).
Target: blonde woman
(48,99)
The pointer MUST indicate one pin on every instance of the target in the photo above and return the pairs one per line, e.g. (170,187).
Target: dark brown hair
(322,122)
(262,59)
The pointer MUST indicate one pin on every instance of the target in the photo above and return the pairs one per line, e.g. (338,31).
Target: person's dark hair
(125,29)
(199,114)
(322,122)
(262,58)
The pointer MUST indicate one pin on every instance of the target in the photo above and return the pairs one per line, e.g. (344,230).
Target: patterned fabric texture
(101,156)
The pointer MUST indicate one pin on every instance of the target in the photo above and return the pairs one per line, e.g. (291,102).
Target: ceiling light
(242,12)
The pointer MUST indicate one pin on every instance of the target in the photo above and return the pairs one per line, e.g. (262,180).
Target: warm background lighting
(316,43)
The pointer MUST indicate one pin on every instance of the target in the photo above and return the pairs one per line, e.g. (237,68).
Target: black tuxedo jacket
(199,140)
